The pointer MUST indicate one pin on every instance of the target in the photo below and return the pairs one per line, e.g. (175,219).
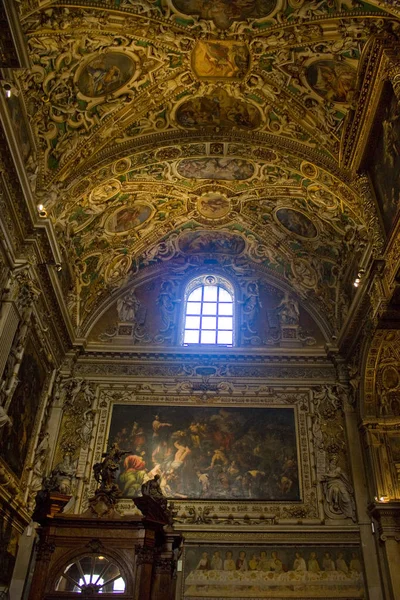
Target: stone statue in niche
(128,307)
(338,492)
(167,303)
(251,306)
(39,463)
(85,431)
(288,311)
(63,475)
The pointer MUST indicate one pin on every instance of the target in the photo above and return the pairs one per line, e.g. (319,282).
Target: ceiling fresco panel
(156,128)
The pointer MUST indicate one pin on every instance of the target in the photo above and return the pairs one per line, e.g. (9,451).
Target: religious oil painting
(216,59)
(213,205)
(296,222)
(227,169)
(128,218)
(218,110)
(333,80)
(14,441)
(208,453)
(105,74)
(385,160)
(211,242)
(217,571)
(224,12)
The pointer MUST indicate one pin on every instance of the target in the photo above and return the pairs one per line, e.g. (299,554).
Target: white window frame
(201,281)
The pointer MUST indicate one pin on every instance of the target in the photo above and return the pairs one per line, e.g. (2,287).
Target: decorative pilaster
(387,519)
(370,210)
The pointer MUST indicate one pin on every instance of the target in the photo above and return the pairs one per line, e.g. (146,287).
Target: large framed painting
(225,453)
(384,158)
(234,571)
(14,441)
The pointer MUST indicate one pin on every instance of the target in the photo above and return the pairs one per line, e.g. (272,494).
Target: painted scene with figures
(273,572)
(225,453)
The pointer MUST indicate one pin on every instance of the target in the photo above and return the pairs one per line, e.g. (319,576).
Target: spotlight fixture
(42,211)
(9,89)
(359,277)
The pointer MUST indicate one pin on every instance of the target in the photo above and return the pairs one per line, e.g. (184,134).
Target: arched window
(91,575)
(209,312)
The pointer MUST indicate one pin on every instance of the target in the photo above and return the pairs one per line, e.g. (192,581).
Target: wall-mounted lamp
(9,89)
(382,499)
(42,211)
(359,277)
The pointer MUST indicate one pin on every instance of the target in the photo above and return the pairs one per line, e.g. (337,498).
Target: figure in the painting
(138,438)
(253,562)
(241,562)
(355,563)
(341,564)
(216,561)
(275,563)
(296,222)
(226,60)
(263,563)
(224,12)
(328,564)
(133,476)
(288,311)
(299,564)
(166,303)
(158,426)
(204,563)
(251,306)
(204,481)
(338,491)
(313,564)
(128,307)
(229,563)
(335,81)
(102,78)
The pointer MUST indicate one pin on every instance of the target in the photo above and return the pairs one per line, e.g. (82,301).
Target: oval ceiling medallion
(296,222)
(333,80)
(104,192)
(105,74)
(390,378)
(213,205)
(125,219)
(227,169)
(211,242)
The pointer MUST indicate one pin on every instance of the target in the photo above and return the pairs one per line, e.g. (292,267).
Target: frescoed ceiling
(159,125)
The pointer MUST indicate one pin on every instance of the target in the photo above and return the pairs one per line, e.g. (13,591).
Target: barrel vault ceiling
(172,130)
